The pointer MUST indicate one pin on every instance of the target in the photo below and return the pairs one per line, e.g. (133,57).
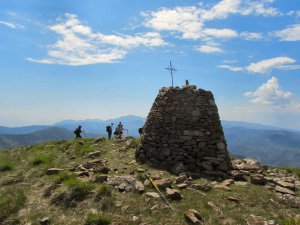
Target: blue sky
(64,59)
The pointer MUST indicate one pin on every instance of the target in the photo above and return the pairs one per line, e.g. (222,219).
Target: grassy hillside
(52,133)
(28,195)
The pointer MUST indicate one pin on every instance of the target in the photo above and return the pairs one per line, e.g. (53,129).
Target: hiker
(140,131)
(109,130)
(77,132)
(119,130)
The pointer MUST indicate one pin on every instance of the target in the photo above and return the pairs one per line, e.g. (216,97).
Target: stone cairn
(183,133)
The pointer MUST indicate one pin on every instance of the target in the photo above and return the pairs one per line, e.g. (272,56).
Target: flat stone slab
(284,190)
(152,194)
(52,171)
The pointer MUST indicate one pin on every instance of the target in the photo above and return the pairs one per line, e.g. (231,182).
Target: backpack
(108,128)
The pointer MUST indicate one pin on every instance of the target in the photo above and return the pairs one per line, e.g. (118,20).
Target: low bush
(97,219)
(11,200)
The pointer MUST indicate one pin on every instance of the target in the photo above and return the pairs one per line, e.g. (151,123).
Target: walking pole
(159,192)
(84,133)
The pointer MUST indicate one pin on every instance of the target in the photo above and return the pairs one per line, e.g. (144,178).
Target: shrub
(78,189)
(11,200)
(97,219)
(5,167)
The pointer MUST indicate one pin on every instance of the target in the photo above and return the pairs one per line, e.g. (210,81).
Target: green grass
(291,222)
(78,190)
(97,219)
(11,200)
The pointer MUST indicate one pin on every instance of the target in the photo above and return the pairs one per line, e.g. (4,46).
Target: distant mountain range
(270,145)
(47,134)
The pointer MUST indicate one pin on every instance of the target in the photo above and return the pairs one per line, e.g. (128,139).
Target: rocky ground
(99,182)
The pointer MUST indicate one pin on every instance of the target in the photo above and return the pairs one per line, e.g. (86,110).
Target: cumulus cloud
(79,45)
(267,65)
(292,33)
(209,49)
(231,68)
(190,22)
(270,94)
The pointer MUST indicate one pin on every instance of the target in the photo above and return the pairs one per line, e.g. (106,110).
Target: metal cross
(172,70)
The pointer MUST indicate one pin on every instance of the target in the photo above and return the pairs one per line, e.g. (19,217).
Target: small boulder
(94,154)
(173,194)
(45,221)
(284,190)
(193,217)
(181,179)
(286,184)
(258,179)
(52,171)
(100,179)
(139,187)
(152,194)
(163,183)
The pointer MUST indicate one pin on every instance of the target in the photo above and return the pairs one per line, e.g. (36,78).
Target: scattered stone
(82,174)
(284,190)
(181,179)
(238,176)
(140,170)
(100,139)
(222,187)
(139,187)
(286,184)
(227,182)
(202,187)
(154,207)
(213,206)
(122,187)
(100,179)
(173,194)
(259,220)
(152,194)
(163,183)
(181,186)
(45,221)
(52,171)
(233,199)
(258,179)
(135,218)
(94,154)
(240,183)
(193,217)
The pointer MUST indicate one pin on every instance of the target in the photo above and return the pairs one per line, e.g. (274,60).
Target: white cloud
(231,68)
(209,49)
(267,65)
(190,22)
(270,94)
(251,36)
(220,33)
(181,19)
(10,25)
(79,45)
(292,33)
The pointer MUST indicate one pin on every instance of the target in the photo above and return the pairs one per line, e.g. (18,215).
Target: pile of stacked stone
(183,133)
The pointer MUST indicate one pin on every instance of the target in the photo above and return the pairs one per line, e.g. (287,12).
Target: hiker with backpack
(77,132)
(119,130)
(109,130)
